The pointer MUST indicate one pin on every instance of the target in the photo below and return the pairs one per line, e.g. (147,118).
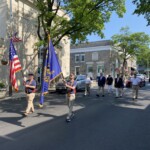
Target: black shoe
(68,120)
(136,98)
(97,95)
(24,114)
(73,114)
(116,97)
(133,99)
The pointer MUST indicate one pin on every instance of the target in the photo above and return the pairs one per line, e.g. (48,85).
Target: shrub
(2,85)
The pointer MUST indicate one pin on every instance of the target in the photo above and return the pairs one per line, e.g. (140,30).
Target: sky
(134,22)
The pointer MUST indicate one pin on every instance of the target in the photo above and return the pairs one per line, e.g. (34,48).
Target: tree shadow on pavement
(13,106)
(13,120)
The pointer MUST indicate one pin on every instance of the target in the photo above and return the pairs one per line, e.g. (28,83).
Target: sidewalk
(15,96)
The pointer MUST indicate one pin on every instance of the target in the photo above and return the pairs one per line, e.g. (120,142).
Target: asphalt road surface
(102,124)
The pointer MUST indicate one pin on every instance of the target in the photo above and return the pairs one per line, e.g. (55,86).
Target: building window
(77,70)
(82,57)
(100,69)
(89,68)
(77,58)
(95,56)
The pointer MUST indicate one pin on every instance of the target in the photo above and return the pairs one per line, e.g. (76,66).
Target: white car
(61,88)
(142,77)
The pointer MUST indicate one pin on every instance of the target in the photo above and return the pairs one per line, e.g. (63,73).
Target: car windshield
(80,77)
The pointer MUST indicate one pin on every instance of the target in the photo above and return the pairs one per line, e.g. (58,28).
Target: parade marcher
(88,83)
(30,87)
(109,82)
(122,87)
(135,86)
(71,95)
(101,84)
(118,86)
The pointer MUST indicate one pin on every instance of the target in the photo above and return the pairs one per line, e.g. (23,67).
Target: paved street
(100,124)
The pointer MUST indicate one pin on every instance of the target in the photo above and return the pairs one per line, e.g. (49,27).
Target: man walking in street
(71,95)
(109,82)
(30,87)
(118,86)
(135,86)
(101,84)
(88,83)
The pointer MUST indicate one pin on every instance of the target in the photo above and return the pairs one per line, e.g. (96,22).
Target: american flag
(15,65)
(15,38)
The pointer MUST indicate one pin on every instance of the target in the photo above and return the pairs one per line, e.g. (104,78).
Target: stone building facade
(95,57)
(21,17)
(92,58)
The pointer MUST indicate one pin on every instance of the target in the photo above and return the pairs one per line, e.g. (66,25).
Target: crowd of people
(118,83)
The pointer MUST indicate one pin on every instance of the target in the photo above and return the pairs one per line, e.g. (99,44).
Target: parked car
(143,79)
(80,82)
(61,88)
(128,83)
(142,83)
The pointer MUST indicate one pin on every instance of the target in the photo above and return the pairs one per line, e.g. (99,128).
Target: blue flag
(52,70)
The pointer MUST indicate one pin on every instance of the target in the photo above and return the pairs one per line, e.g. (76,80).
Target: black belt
(28,92)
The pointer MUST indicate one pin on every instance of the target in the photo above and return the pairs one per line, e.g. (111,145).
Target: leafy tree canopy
(80,18)
(143,57)
(131,45)
(143,8)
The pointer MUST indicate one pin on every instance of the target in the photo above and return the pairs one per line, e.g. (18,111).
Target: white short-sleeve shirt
(135,81)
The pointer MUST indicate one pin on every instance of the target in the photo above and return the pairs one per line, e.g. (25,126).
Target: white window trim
(93,56)
(75,69)
(81,56)
(89,65)
(75,58)
(101,65)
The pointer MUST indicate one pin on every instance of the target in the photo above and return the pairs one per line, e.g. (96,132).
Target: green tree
(143,8)
(143,57)
(81,18)
(130,45)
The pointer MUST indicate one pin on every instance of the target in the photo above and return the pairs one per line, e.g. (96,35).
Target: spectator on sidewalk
(135,86)
(118,86)
(71,95)
(88,83)
(109,82)
(101,84)
(30,87)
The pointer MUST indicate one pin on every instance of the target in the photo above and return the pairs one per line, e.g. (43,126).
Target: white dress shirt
(88,80)
(135,81)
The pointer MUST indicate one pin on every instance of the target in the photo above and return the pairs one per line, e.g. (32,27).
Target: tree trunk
(123,67)
(43,64)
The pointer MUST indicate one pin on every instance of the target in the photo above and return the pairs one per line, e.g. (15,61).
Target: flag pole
(43,72)
(11,17)
(10,84)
